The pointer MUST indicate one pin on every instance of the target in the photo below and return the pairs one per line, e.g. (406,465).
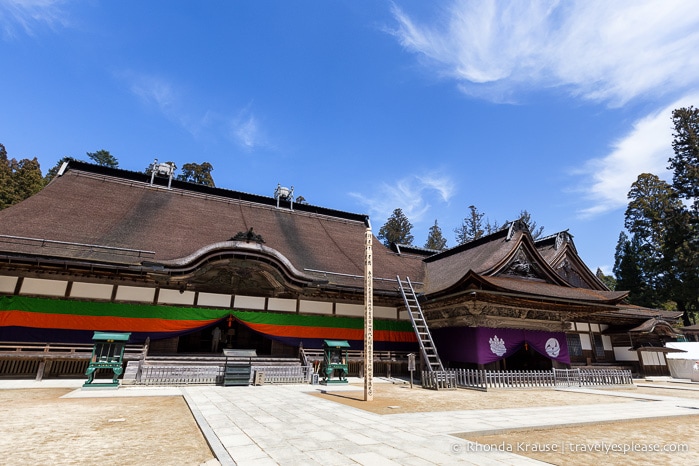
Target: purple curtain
(482,345)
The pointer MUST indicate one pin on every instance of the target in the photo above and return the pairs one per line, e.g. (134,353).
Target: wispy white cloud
(27,15)
(172,101)
(164,96)
(412,195)
(153,90)
(595,49)
(246,131)
(646,148)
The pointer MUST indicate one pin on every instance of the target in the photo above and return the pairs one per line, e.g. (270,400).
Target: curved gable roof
(508,252)
(560,253)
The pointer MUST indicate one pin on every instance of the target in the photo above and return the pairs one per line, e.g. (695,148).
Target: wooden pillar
(368,318)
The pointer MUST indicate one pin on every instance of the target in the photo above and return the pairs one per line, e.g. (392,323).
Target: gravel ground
(400,398)
(40,428)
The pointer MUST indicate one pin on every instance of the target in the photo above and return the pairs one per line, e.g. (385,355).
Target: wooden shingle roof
(116,217)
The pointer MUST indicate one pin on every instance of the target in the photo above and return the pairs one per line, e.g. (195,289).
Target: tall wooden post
(368,317)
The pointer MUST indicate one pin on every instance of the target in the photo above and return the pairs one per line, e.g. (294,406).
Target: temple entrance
(527,359)
(237,336)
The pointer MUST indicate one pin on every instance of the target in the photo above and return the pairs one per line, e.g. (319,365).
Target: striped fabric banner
(39,319)
(325,327)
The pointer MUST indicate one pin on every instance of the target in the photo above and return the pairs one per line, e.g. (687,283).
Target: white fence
(482,379)
(284,374)
(152,374)
(592,377)
(180,375)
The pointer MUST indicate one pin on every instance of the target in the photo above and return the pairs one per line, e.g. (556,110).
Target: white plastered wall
(41,287)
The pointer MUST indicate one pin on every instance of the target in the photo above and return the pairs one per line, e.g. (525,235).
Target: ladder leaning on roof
(429,351)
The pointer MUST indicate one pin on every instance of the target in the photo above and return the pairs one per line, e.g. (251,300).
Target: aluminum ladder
(429,351)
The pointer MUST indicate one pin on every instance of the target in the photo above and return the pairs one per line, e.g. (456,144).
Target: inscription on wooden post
(368,318)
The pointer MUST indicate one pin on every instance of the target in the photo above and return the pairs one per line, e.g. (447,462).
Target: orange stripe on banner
(330,333)
(395,336)
(82,322)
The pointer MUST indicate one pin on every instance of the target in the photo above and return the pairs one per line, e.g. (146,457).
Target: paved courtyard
(268,425)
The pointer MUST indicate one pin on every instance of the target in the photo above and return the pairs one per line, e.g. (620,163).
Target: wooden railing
(386,363)
(26,359)
(482,380)
(357,355)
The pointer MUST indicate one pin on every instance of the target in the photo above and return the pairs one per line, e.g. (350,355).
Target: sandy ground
(584,445)
(593,444)
(37,427)
(400,398)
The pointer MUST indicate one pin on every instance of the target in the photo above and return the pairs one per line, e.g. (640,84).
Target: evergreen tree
(197,173)
(681,263)
(652,202)
(397,229)
(19,179)
(27,178)
(471,228)
(491,228)
(628,272)
(659,264)
(608,280)
(682,245)
(103,158)
(7,194)
(535,230)
(435,240)
(685,163)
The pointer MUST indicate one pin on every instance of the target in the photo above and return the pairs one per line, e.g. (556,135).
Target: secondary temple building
(102,249)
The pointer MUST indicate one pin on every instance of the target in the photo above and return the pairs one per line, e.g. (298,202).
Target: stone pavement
(283,424)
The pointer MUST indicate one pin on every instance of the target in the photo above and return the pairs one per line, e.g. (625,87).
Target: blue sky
(366,106)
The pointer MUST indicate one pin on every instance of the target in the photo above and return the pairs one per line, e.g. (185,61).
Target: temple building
(113,250)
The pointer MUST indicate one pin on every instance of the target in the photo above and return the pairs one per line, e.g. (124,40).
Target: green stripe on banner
(149,311)
(320,321)
(87,308)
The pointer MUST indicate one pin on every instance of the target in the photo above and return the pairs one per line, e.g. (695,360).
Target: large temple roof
(108,216)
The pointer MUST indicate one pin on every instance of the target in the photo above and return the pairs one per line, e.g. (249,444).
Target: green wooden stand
(335,359)
(107,353)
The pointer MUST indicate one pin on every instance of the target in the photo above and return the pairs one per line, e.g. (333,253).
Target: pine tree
(471,228)
(19,179)
(685,162)
(608,280)
(197,173)
(104,158)
(396,229)
(435,240)
(535,230)
(629,273)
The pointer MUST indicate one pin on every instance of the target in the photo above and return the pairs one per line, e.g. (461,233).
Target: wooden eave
(570,254)
(473,285)
(524,242)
